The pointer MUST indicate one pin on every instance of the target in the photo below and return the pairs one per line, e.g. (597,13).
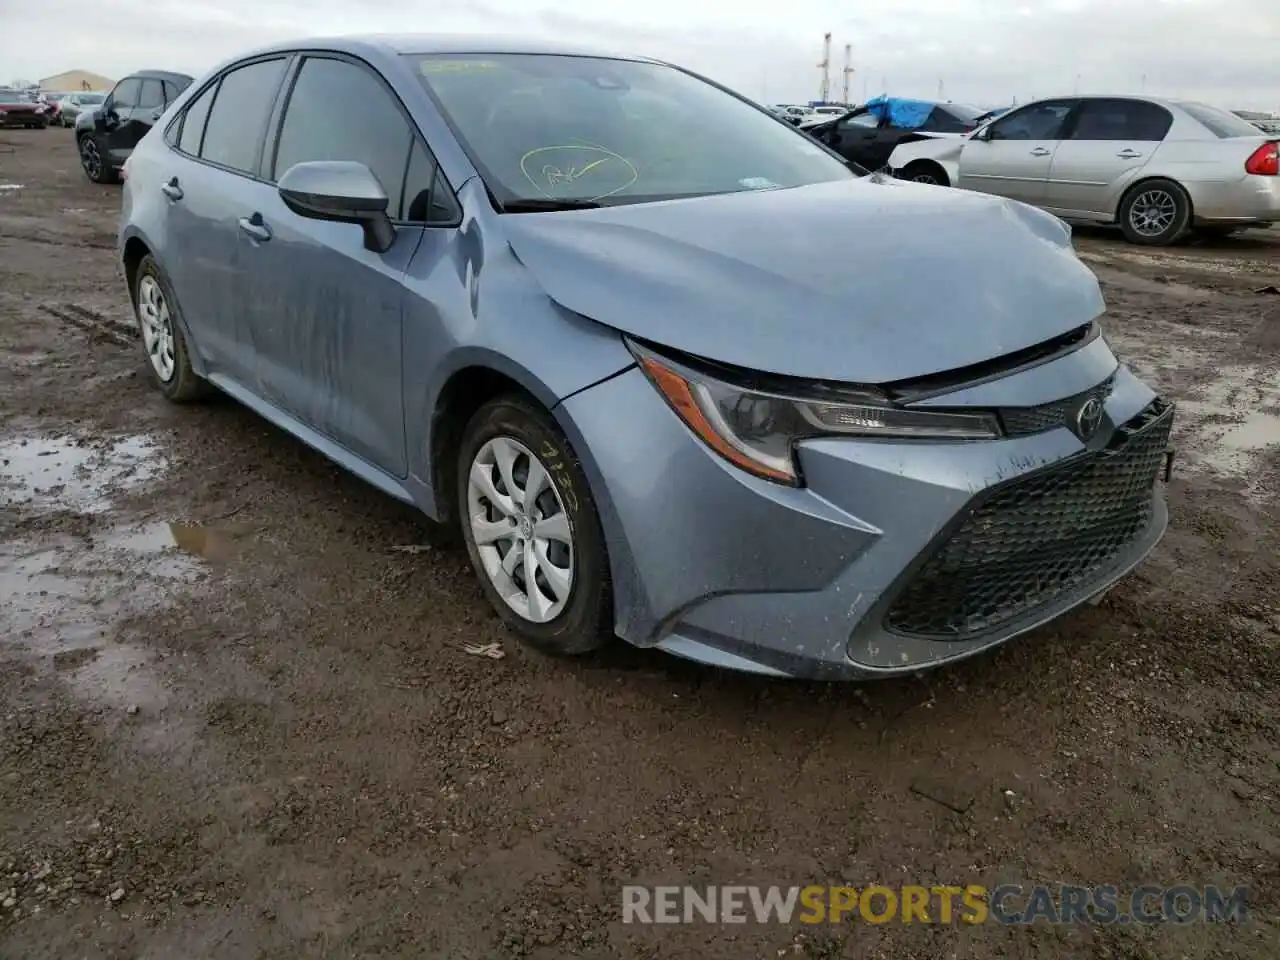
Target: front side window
(590,129)
(340,111)
(1039,121)
(239,115)
(152,95)
(126,94)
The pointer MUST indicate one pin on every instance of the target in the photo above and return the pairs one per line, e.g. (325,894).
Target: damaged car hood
(866,281)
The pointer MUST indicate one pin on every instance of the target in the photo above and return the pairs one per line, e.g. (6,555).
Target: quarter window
(193,122)
(1039,121)
(340,111)
(1121,120)
(239,115)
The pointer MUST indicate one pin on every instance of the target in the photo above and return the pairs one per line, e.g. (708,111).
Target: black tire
(585,621)
(1155,213)
(182,385)
(92,161)
(925,171)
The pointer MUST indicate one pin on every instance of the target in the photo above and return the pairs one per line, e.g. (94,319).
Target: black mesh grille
(1037,537)
(1024,421)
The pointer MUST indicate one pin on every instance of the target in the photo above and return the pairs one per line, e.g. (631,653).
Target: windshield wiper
(536,205)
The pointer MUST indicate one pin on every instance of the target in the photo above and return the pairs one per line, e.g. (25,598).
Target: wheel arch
(134,246)
(1144,178)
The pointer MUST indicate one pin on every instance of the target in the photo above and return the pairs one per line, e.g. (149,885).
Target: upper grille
(1037,536)
(1024,421)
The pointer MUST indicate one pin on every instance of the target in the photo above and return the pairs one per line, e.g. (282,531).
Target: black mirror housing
(341,191)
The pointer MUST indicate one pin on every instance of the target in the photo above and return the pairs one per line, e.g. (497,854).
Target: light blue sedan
(674,370)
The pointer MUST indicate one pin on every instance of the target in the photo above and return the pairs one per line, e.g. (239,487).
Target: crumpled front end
(894,556)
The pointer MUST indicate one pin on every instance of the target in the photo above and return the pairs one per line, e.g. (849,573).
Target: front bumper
(8,119)
(895,557)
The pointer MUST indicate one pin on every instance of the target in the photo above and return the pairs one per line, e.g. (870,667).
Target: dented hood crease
(864,281)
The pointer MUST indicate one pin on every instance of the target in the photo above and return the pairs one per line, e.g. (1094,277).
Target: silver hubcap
(521,530)
(1153,213)
(157,327)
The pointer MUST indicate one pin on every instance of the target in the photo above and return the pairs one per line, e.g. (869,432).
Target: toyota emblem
(1088,418)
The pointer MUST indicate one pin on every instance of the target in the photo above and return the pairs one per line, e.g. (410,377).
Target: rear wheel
(163,344)
(531,528)
(924,171)
(1155,213)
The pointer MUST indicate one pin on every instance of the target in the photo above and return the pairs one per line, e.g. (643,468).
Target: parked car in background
(1266,122)
(1159,168)
(18,109)
(685,395)
(107,135)
(868,134)
(72,104)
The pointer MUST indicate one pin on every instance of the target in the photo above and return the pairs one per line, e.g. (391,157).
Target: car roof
(158,75)
(436,43)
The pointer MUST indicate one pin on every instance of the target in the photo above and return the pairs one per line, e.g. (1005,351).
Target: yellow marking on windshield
(553,175)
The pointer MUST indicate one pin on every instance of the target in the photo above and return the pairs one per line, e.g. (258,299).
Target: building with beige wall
(74,80)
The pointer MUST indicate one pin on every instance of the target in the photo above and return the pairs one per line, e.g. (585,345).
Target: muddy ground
(236,721)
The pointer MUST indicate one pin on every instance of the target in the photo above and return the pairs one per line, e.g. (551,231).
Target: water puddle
(65,598)
(69,472)
(1227,422)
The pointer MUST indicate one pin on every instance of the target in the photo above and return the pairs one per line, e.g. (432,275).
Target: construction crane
(847,71)
(825,67)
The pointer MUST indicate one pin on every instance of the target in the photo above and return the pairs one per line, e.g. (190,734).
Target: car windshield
(1221,123)
(11,96)
(90,98)
(594,130)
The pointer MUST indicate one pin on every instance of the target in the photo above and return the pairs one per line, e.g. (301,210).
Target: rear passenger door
(328,313)
(1108,144)
(212,177)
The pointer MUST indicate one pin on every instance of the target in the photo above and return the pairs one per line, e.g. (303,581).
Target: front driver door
(1012,156)
(854,138)
(113,120)
(326,323)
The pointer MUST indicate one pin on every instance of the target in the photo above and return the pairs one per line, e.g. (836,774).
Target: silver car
(1158,168)
(74,103)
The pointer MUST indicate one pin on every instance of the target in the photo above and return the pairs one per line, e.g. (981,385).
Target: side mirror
(341,191)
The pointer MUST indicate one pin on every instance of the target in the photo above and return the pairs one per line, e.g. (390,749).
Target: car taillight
(1265,161)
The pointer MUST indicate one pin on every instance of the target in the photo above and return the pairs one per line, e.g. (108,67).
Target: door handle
(255,228)
(1040,152)
(172,190)
(1128,154)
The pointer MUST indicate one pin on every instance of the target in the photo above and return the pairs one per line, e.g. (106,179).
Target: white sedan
(1158,168)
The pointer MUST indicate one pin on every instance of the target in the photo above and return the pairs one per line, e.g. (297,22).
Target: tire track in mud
(92,323)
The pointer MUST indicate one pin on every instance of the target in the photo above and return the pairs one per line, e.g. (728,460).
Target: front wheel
(94,163)
(922,171)
(531,528)
(1155,213)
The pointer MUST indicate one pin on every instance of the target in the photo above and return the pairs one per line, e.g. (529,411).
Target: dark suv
(107,135)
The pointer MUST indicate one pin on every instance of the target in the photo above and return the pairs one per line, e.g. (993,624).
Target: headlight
(757,429)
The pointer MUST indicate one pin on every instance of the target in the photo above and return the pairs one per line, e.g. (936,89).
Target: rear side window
(1219,122)
(125,95)
(1121,120)
(942,120)
(193,122)
(1039,121)
(152,95)
(371,130)
(239,115)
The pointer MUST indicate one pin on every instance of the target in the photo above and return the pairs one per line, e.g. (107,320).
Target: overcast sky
(982,51)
